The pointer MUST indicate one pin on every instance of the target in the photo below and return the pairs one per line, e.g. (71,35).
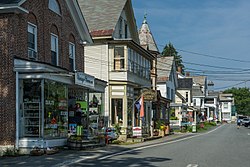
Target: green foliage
(10,152)
(169,50)
(242,99)
(159,123)
(173,118)
(117,129)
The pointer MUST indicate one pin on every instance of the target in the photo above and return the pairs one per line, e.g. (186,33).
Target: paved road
(225,146)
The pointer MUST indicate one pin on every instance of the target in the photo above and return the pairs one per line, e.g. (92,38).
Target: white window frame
(72,53)
(34,27)
(119,60)
(56,45)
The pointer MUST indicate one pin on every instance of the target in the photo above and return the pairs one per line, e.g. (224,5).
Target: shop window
(72,56)
(32,41)
(55,110)
(54,49)
(116,111)
(31,109)
(119,58)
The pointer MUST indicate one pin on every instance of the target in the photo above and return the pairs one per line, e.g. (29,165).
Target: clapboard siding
(96,61)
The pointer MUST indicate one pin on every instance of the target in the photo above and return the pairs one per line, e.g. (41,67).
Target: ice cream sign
(85,80)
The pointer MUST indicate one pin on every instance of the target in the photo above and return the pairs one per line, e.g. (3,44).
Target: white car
(245,121)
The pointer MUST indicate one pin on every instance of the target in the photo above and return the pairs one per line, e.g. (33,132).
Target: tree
(242,99)
(169,50)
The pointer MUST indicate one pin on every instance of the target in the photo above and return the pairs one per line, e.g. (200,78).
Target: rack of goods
(31,115)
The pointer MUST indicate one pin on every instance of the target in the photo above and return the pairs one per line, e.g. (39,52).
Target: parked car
(245,122)
(110,134)
(241,117)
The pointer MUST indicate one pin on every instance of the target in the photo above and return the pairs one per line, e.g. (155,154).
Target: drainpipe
(17,111)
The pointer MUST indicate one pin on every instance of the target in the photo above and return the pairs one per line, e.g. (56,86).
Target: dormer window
(54,6)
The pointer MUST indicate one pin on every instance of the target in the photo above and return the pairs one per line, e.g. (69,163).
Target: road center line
(155,145)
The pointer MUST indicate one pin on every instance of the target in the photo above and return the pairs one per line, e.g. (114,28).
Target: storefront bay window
(55,110)
(44,109)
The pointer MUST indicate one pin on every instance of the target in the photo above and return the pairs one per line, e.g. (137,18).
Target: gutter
(12,9)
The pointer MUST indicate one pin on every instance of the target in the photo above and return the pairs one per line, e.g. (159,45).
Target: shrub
(10,152)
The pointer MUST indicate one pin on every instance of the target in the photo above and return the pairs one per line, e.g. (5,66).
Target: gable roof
(102,15)
(201,80)
(185,83)
(196,91)
(146,38)
(164,67)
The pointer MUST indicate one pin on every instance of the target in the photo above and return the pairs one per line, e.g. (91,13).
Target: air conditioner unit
(32,54)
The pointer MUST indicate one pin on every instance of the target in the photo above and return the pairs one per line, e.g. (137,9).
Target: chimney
(179,69)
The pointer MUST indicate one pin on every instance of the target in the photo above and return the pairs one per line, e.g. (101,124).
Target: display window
(55,110)
(31,109)
(117,111)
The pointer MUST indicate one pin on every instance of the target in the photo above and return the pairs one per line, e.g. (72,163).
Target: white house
(226,102)
(117,58)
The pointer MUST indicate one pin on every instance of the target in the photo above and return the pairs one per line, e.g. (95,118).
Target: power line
(217,57)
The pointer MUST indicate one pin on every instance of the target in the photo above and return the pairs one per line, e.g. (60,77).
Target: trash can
(194,128)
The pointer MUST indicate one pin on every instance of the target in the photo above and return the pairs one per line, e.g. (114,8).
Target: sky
(212,36)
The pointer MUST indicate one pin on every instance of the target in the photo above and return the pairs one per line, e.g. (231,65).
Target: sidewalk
(65,156)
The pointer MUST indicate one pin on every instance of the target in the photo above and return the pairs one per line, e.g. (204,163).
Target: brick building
(41,68)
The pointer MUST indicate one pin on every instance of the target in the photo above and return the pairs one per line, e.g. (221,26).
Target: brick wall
(13,42)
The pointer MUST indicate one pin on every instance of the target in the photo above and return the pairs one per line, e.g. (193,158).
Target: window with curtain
(119,58)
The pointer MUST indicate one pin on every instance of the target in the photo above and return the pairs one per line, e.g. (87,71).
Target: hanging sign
(150,95)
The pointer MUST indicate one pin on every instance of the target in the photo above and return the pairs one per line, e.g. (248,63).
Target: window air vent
(32,54)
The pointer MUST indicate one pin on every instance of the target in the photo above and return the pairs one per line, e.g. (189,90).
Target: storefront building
(42,57)
(46,97)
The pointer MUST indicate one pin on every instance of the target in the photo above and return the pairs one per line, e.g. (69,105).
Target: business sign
(85,80)
(150,95)
(137,131)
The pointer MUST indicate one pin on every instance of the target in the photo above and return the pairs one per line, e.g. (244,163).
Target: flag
(140,106)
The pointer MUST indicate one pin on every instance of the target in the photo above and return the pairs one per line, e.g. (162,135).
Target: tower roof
(146,38)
